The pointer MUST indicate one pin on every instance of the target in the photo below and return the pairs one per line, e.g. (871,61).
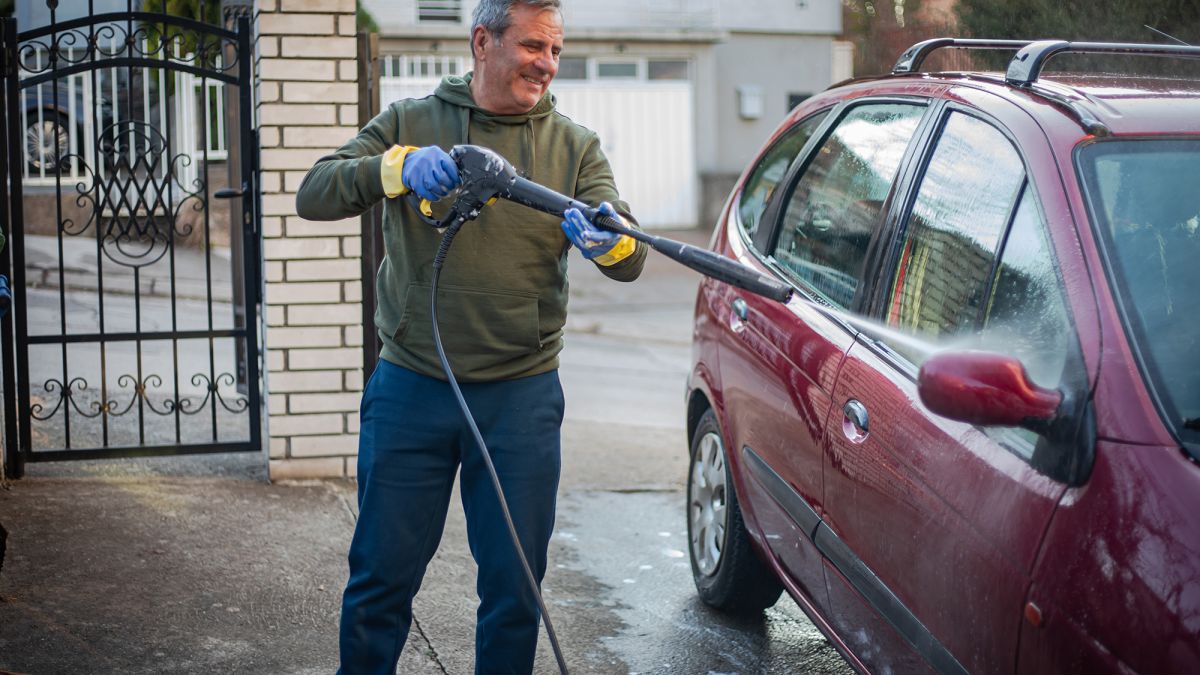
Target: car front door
(779,362)
(932,526)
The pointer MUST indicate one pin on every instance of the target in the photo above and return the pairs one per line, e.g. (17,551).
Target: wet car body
(918,542)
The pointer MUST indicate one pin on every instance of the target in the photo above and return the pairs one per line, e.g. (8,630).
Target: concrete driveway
(197,564)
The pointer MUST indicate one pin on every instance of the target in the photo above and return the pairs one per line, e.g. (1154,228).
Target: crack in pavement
(429,649)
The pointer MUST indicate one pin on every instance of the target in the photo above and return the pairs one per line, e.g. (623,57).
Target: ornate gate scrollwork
(137,333)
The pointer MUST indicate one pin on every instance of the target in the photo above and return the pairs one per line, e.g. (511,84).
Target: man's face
(512,73)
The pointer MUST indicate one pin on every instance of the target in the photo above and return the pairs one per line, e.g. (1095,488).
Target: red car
(969,441)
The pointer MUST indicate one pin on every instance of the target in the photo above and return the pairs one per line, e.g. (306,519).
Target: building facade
(682,92)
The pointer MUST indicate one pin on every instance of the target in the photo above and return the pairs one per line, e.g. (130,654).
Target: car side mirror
(987,389)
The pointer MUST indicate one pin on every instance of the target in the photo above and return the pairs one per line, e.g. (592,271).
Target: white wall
(781,16)
(778,65)
(771,16)
(671,15)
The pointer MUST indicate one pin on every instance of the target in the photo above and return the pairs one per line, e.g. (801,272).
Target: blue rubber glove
(591,241)
(430,173)
(5,295)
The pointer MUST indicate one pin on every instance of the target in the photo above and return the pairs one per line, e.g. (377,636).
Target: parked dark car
(969,441)
(51,113)
(54,111)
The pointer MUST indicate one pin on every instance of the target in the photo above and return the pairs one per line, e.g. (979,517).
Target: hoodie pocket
(480,328)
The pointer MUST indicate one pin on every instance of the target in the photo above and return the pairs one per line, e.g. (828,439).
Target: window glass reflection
(767,174)
(952,236)
(837,203)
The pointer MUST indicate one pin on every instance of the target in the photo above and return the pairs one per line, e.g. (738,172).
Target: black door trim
(884,601)
(784,495)
(866,582)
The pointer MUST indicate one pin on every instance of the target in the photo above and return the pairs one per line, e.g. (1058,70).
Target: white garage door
(645,125)
(646,131)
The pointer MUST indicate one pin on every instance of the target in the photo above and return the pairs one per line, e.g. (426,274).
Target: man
(502,306)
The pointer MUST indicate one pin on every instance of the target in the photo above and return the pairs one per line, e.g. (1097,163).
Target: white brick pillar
(307,107)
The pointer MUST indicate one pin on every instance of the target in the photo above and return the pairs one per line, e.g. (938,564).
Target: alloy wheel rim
(707,511)
(44,152)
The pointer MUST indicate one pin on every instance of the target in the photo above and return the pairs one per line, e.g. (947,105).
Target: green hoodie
(502,298)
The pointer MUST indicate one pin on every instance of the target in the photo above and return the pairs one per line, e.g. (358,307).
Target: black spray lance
(487,176)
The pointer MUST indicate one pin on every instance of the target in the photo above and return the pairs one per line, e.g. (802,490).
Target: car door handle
(737,321)
(856,423)
(740,309)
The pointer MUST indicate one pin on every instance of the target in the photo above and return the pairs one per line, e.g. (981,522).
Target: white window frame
(439,11)
(642,64)
(639,65)
(408,66)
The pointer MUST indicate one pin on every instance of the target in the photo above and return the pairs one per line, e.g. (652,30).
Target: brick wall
(313,305)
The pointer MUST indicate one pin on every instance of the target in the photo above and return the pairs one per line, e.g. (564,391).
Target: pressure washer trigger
(491,201)
(426,208)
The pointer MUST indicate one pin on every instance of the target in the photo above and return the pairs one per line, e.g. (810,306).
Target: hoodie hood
(457,90)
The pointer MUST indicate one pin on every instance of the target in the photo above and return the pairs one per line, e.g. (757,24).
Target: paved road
(196,564)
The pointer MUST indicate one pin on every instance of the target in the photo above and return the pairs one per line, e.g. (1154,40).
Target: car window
(835,206)
(1027,315)
(770,170)
(952,235)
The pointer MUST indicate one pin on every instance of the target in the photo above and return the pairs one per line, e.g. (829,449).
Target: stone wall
(307,106)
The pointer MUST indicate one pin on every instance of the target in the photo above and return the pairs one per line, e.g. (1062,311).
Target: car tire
(37,131)
(728,573)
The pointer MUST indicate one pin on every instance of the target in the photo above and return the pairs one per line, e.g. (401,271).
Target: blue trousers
(413,439)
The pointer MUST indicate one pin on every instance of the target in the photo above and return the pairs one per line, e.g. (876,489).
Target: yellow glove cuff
(391,169)
(624,248)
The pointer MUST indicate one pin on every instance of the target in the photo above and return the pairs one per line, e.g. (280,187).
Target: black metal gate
(135,269)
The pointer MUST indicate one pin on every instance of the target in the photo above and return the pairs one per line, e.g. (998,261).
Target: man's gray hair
(494,15)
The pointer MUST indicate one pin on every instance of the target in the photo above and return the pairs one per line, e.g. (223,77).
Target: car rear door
(932,526)
(778,362)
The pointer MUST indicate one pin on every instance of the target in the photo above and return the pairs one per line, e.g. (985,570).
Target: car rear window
(770,170)
(1145,205)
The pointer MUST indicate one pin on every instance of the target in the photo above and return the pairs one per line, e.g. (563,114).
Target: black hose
(440,258)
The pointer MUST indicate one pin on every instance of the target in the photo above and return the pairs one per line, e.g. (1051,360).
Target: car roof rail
(1027,65)
(912,58)
(1072,107)
(1082,115)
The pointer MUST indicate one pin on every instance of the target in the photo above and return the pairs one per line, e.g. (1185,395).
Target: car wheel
(47,140)
(728,573)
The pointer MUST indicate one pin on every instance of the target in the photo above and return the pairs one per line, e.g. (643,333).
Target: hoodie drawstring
(527,154)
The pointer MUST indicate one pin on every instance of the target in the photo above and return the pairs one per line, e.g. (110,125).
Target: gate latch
(230,193)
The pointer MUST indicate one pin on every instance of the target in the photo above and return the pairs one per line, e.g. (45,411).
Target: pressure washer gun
(486,177)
